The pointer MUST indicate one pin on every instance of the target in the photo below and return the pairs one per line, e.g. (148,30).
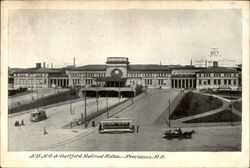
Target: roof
(58,75)
(110,79)
(38,70)
(148,67)
(93,67)
(183,76)
(218,70)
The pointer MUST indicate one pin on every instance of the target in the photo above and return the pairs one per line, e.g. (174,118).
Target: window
(215,81)
(218,81)
(160,81)
(199,81)
(208,81)
(225,81)
(229,81)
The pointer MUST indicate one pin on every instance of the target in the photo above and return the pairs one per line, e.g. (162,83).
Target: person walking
(137,128)
(44,131)
(22,122)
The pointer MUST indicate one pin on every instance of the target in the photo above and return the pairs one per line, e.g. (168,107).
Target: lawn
(194,103)
(238,105)
(223,116)
(52,99)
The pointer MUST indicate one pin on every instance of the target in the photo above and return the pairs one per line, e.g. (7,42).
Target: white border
(174,159)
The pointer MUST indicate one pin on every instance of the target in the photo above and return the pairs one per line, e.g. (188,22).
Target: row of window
(87,74)
(76,81)
(31,81)
(147,74)
(218,82)
(217,74)
(89,81)
(30,75)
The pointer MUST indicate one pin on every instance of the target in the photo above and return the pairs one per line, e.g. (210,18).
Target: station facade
(119,73)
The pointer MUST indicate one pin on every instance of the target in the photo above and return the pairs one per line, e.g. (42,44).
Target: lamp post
(85,110)
(169,113)
(107,105)
(97,100)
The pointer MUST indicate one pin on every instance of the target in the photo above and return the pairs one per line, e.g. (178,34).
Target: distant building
(184,77)
(214,56)
(217,78)
(39,77)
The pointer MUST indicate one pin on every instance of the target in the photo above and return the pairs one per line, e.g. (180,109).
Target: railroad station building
(217,78)
(119,75)
(117,72)
(40,77)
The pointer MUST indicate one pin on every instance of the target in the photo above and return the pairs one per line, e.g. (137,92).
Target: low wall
(102,114)
(165,115)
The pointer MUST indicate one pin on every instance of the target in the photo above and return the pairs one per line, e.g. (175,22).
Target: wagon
(170,134)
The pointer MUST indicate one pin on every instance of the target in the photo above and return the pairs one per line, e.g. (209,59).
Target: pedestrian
(22,122)
(44,131)
(137,128)
(93,123)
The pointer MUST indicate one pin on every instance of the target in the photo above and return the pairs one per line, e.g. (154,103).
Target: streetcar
(38,115)
(117,125)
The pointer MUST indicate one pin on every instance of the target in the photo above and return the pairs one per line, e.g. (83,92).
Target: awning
(110,79)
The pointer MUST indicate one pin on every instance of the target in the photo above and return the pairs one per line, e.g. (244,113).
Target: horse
(188,134)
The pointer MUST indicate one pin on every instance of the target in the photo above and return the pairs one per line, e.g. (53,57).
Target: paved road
(31,136)
(149,137)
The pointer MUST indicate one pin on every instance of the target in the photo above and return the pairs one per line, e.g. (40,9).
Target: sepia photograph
(125,79)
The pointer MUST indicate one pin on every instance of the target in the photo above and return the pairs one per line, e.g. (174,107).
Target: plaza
(145,110)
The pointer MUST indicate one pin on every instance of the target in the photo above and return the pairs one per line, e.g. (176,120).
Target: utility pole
(119,92)
(85,110)
(96,100)
(169,113)
(70,105)
(231,109)
(107,105)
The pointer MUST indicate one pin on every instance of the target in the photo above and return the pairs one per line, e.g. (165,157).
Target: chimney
(215,64)
(74,61)
(44,65)
(38,65)
(51,65)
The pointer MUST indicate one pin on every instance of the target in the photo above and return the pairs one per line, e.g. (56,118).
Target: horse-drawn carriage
(177,133)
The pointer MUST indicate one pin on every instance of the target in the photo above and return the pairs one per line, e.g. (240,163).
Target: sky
(144,36)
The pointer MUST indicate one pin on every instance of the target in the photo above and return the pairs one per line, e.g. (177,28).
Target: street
(149,138)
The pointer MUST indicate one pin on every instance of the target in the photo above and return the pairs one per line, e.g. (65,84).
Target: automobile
(38,115)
